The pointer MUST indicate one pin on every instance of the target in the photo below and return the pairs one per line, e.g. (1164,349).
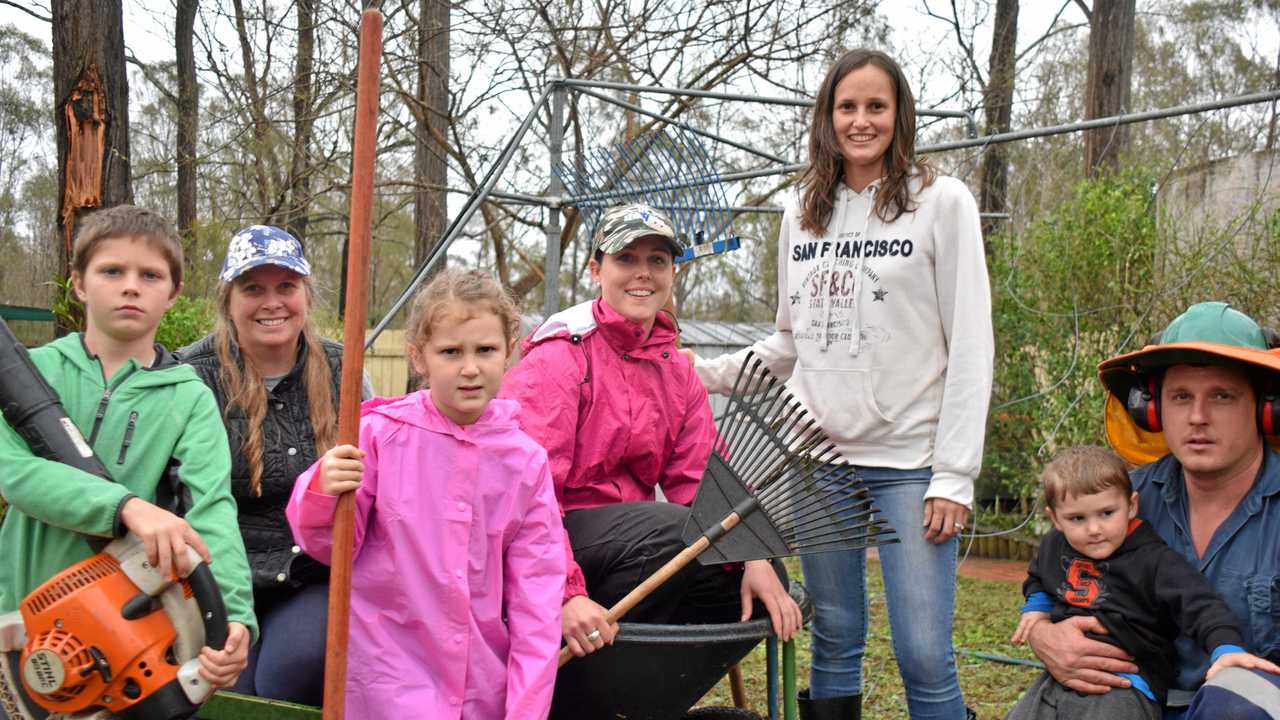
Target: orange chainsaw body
(82,651)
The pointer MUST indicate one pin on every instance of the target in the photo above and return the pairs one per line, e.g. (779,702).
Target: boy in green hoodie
(140,411)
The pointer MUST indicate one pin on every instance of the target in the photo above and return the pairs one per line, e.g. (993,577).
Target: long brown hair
(246,390)
(826,166)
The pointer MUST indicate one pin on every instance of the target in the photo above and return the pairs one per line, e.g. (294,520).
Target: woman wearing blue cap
(276,382)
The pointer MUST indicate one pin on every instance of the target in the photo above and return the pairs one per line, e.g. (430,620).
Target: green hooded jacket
(136,423)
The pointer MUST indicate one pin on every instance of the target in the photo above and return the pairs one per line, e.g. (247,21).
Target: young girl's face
(463,362)
(636,281)
(862,114)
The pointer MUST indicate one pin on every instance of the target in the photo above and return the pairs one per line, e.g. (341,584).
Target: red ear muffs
(1269,413)
(1143,404)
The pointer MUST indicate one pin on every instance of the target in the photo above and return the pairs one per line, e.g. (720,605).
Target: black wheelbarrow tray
(657,672)
(651,672)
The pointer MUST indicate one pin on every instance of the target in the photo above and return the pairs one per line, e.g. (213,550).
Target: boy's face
(126,289)
(1095,525)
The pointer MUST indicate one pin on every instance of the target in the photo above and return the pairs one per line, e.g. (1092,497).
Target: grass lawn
(986,615)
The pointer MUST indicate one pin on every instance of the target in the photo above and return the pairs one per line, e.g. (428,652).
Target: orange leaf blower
(109,637)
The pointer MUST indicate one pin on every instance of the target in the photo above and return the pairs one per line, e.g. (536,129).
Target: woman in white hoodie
(884,331)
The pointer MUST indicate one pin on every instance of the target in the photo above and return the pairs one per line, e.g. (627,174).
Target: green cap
(1215,322)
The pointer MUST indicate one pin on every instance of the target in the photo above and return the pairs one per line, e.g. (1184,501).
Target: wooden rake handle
(362,150)
(663,574)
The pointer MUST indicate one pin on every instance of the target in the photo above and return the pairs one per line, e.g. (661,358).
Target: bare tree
(188,115)
(1108,89)
(431,119)
(295,214)
(999,109)
(91,99)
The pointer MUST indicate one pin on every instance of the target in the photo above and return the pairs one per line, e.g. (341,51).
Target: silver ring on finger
(594,635)
(959,527)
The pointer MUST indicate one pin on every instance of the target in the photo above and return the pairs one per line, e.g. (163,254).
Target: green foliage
(1067,293)
(68,311)
(190,319)
(1095,277)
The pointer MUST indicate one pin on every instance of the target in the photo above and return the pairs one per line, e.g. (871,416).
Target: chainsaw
(109,638)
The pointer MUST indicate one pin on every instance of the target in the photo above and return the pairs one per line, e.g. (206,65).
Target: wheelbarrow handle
(663,574)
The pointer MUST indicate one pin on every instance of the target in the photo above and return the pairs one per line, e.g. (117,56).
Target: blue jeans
(920,591)
(287,662)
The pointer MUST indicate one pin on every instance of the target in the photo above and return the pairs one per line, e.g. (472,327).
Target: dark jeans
(620,545)
(287,663)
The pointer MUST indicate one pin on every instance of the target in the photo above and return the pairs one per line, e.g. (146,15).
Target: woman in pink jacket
(620,412)
(459,559)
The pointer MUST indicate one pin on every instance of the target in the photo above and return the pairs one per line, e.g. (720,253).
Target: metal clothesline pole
(460,221)
(486,188)
(682,125)
(745,97)
(1125,119)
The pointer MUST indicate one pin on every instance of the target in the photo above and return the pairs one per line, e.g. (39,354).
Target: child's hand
(165,536)
(1024,626)
(1242,660)
(222,667)
(340,470)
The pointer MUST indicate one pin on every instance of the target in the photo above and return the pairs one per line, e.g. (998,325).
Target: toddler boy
(1102,561)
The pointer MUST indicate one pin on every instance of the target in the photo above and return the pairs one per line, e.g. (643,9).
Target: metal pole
(551,271)
(1250,99)
(1113,120)
(682,125)
(459,222)
(789,709)
(743,97)
(771,676)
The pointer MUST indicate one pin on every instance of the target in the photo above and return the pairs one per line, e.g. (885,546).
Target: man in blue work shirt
(1196,410)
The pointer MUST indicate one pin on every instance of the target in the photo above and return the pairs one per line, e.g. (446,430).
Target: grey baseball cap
(622,225)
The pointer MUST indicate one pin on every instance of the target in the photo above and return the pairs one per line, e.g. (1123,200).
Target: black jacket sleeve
(1193,602)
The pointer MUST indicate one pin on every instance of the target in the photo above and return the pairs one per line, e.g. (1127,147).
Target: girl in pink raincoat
(459,563)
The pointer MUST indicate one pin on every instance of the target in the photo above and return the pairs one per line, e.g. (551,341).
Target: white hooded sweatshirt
(884,332)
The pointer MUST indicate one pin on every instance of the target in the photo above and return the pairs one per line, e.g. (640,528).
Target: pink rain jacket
(619,413)
(458,571)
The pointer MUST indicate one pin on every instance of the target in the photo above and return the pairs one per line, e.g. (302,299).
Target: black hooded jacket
(1145,594)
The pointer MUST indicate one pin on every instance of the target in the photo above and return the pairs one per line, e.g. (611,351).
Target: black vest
(288,448)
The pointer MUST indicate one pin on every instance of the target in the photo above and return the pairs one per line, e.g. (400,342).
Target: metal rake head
(667,168)
(776,467)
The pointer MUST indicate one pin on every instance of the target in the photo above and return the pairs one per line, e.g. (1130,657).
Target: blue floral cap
(263,245)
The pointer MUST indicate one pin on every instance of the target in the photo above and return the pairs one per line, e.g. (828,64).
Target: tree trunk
(999,111)
(188,118)
(303,122)
(430,169)
(1107,92)
(430,201)
(91,107)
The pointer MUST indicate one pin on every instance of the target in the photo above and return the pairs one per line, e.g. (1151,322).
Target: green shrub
(190,319)
(1067,293)
(1092,279)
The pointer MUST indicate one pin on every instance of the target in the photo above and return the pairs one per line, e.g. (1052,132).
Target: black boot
(848,707)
